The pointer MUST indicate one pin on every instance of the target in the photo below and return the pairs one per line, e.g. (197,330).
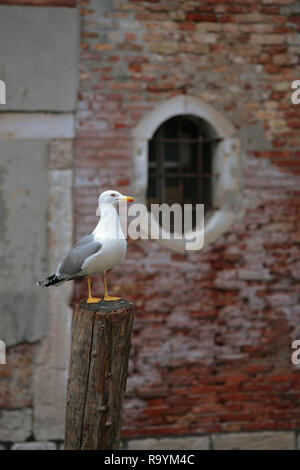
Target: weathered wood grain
(101,342)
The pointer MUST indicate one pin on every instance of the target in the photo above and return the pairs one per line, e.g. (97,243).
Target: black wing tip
(49,281)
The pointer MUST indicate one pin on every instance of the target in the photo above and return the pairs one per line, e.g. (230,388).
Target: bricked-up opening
(180,163)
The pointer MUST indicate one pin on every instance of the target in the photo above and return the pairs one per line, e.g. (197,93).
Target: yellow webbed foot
(109,298)
(93,300)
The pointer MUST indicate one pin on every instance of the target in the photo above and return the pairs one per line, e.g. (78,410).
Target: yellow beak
(127,199)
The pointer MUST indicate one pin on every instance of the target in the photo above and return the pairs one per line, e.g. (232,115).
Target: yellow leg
(91,300)
(106,296)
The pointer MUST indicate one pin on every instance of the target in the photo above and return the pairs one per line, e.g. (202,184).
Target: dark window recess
(180,163)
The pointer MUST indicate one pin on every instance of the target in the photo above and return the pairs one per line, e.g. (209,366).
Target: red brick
(270,10)
(187,25)
(226,18)
(151,16)
(205,8)
(201,17)
(288,163)
(238,8)
(130,36)
(294,19)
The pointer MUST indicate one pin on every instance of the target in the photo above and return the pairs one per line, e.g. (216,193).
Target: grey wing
(71,265)
(84,240)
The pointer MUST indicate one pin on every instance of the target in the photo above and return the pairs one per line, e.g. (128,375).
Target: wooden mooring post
(100,346)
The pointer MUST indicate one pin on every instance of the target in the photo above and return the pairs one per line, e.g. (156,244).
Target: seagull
(97,252)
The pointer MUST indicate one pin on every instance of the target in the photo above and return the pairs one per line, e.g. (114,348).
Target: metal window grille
(180,163)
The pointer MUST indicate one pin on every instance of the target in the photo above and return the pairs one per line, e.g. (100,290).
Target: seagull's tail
(50,281)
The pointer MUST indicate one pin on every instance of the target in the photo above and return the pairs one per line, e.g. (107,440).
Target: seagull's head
(113,198)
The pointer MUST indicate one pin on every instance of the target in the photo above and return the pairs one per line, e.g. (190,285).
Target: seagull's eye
(113,195)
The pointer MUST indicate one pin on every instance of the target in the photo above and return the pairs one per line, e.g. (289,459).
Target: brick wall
(213,330)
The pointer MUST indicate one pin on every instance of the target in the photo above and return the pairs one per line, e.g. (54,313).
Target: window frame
(226,162)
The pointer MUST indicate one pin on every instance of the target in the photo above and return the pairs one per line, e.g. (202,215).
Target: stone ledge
(166,443)
(264,440)
(277,440)
(34,446)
